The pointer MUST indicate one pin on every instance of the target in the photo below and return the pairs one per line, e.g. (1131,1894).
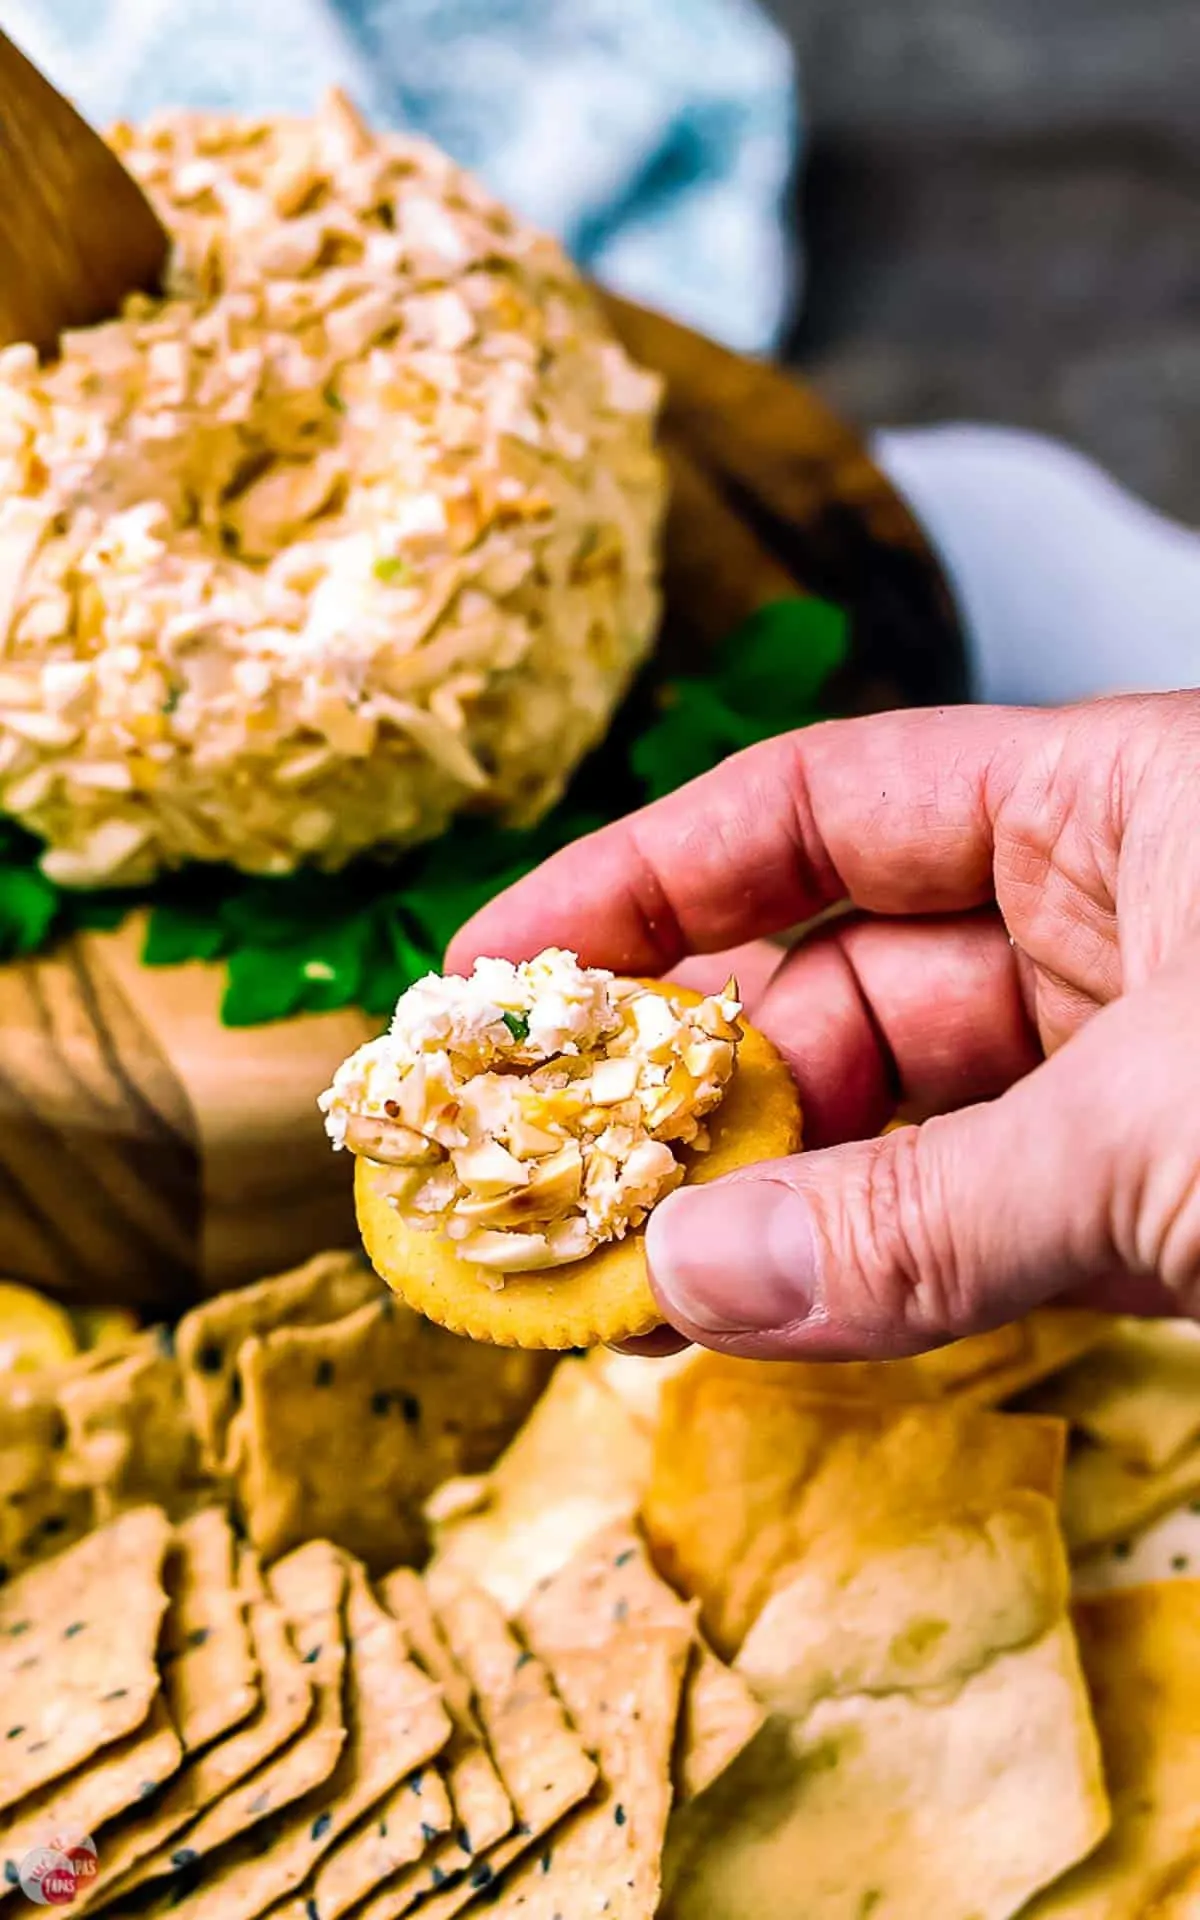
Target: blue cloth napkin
(656,138)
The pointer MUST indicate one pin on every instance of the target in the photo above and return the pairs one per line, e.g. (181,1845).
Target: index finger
(892,812)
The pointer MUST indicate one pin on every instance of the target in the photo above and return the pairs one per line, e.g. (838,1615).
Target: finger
(893,812)
(873,1014)
(1088,1167)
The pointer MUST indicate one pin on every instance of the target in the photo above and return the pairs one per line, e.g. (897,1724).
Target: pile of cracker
(701,1638)
(312,1404)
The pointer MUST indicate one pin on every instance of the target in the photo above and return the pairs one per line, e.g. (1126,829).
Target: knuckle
(1167,1232)
(897,1247)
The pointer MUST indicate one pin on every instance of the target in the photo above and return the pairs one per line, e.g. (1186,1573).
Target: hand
(1023,961)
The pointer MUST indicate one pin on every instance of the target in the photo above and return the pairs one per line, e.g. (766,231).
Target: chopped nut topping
(529,1112)
(358,524)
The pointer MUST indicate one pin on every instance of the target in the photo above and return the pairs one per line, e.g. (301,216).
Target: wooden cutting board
(148,1154)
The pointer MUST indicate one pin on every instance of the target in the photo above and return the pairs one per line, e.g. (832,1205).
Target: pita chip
(748,1480)
(1141,1653)
(1137,1394)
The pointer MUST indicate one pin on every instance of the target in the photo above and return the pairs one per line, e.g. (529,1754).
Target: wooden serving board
(149,1154)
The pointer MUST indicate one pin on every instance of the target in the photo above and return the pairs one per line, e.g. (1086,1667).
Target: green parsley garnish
(391,569)
(333,398)
(517,1024)
(315,942)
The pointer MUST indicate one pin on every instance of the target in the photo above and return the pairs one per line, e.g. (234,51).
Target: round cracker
(605,1296)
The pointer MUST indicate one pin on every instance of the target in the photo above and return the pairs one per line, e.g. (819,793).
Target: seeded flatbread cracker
(346,1428)
(38,1515)
(605,1296)
(482,1808)
(1105,1498)
(610,1583)
(121,1776)
(404,1826)
(286,1696)
(1168,1549)
(207,1339)
(309,1586)
(129,1439)
(607,1856)
(77,1640)
(208,1668)
(1138,1393)
(396,1723)
(901,1806)
(1141,1654)
(579,1462)
(539,1756)
(748,1478)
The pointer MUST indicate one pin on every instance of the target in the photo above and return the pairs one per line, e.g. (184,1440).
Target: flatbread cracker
(1168,1549)
(121,1776)
(1141,1654)
(208,1669)
(405,1825)
(38,1515)
(605,1296)
(748,1477)
(1138,1393)
(207,1339)
(396,1723)
(286,1697)
(607,1856)
(982,1370)
(129,1439)
(901,1805)
(482,1808)
(1106,1499)
(580,1462)
(346,1428)
(77,1641)
(539,1756)
(610,1581)
(864,1614)
(1052,1337)
(309,1586)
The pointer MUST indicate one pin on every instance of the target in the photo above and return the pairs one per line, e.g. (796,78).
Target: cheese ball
(353,530)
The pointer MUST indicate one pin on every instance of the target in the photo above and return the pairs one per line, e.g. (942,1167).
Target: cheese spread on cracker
(532,1113)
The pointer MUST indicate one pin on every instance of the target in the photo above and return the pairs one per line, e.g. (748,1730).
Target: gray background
(1001,210)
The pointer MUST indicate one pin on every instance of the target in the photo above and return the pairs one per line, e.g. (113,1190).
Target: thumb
(1088,1168)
